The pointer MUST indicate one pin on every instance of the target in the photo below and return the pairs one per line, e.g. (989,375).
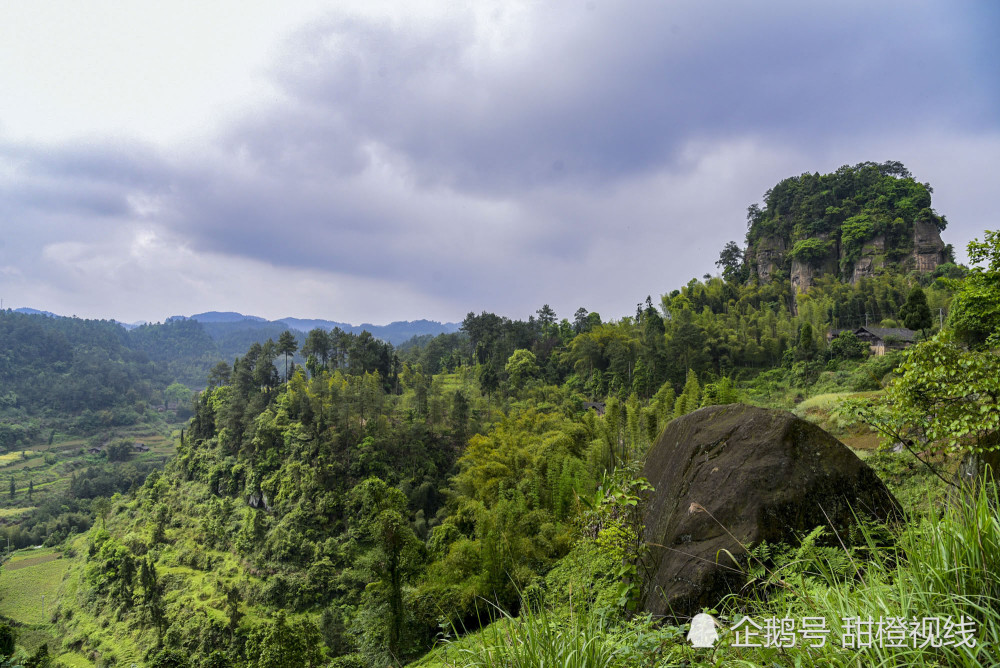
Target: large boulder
(728,477)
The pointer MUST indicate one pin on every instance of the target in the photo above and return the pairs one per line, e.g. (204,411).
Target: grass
(536,638)
(82,631)
(7,513)
(25,579)
(939,568)
(74,660)
(824,411)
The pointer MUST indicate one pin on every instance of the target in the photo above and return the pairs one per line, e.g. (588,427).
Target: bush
(870,374)
(847,346)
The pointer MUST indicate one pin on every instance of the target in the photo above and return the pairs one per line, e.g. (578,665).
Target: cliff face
(770,257)
(771,261)
(854,223)
(928,249)
(872,259)
(803,272)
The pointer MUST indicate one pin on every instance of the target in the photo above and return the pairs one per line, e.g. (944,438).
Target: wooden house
(881,339)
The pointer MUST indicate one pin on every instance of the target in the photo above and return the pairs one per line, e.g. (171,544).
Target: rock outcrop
(872,259)
(770,257)
(728,477)
(856,222)
(804,274)
(928,249)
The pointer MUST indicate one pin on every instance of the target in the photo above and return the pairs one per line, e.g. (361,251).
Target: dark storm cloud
(590,95)
(80,180)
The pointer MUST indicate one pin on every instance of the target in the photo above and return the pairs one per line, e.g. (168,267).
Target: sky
(380,161)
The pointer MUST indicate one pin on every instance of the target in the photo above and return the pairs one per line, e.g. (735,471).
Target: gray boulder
(731,476)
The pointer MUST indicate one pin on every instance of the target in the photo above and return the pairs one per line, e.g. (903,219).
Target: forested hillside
(68,366)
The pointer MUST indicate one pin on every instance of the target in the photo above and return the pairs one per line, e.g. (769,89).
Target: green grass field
(26,578)
(74,660)
(8,513)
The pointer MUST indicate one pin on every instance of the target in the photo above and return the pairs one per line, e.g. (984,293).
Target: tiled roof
(884,333)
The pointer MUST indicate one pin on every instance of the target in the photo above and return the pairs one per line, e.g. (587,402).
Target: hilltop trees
(731,262)
(316,349)
(856,205)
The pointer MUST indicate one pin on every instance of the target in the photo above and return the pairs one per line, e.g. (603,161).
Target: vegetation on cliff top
(850,207)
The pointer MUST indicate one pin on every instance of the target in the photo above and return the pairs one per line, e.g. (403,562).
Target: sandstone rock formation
(872,259)
(731,476)
(803,274)
(770,257)
(928,249)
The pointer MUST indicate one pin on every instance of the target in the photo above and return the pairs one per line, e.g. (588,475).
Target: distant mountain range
(34,311)
(220,324)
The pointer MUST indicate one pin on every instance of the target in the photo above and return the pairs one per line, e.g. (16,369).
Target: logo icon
(703,633)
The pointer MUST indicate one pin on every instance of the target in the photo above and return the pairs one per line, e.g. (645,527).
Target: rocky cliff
(857,222)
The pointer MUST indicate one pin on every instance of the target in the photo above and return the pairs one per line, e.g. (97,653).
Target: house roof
(884,333)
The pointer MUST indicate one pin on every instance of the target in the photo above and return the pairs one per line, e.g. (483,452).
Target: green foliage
(178,394)
(119,450)
(975,313)
(732,262)
(8,640)
(811,250)
(847,346)
(71,365)
(806,349)
(392,555)
(945,398)
(588,578)
(613,519)
(915,312)
(521,367)
(536,639)
(278,644)
(689,399)
(720,392)
(855,231)
(112,570)
(874,371)
(941,567)
(855,204)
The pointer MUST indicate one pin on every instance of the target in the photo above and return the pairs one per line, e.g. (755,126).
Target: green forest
(476,498)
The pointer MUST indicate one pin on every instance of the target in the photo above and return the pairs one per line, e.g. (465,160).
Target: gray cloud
(579,154)
(595,95)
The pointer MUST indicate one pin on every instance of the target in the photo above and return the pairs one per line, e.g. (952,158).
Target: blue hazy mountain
(34,311)
(236,330)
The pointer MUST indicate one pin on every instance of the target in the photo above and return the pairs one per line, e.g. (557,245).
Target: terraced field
(29,583)
(46,469)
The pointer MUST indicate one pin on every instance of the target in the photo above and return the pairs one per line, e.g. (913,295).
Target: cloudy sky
(386,161)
